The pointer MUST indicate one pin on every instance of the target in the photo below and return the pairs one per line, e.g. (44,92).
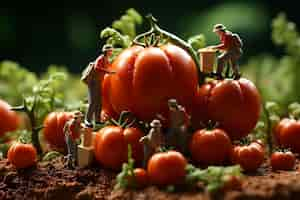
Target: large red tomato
(53,128)
(10,121)
(287,133)
(146,78)
(235,104)
(110,146)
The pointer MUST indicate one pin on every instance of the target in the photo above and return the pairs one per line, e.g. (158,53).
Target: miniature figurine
(72,131)
(93,76)
(231,45)
(85,153)
(178,123)
(153,141)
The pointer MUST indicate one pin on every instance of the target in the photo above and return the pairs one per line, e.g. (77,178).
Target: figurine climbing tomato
(210,147)
(111,143)
(249,157)
(167,168)
(235,104)
(10,121)
(284,160)
(53,128)
(288,132)
(146,78)
(22,155)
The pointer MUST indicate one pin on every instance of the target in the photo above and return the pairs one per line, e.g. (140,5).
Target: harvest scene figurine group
(177,134)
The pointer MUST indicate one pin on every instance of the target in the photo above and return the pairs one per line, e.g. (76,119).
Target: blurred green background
(66,33)
(37,34)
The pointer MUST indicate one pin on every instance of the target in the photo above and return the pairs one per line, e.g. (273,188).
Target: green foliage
(125,179)
(14,81)
(213,177)
(51,155)
(123,31)
(277,79)
(197,42)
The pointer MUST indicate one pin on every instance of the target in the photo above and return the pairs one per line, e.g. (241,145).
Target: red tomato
(288,133)
(53,128)
(22,155)
(249,157)
(283,160)
(232,183)
(210,147)
(10,121)
(111,143)
(147,77)
(167,168)
(141,177)
(235,104)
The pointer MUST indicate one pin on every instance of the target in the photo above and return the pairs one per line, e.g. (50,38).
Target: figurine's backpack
(237,40)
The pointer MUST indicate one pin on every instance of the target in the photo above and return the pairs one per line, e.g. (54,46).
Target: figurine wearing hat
(153,141)
(178,123)
(72,131)
(93,76)
(231,47)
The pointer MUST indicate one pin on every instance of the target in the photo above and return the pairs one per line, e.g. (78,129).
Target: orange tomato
(146,78)
(22,155)
(210,147)
(167,168)
(249,157)
(10,121)
(111,143)
(53,128)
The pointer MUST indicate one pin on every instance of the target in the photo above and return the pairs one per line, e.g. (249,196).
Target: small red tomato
(167,168)
(249,157)
(53,128)
(210,147)
(232,183)
(288,133)
(141,177)
(283,160)
(10,121)
(111,143)
(22,155)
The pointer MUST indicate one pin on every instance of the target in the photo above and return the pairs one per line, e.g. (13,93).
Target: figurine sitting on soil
(153,141)
(93,76)
(178,123)
(72,131)
(231,46)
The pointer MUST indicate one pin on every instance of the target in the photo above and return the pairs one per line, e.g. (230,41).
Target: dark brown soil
(54,181)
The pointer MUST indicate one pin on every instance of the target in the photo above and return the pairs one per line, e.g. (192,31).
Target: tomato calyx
(210,125)
(126,120)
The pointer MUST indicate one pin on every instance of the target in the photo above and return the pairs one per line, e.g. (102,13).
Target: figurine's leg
(221,62)
(69,148)
(90,110)
(98,107)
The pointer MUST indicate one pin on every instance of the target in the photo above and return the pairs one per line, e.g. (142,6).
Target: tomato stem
(269,130)
(156,30)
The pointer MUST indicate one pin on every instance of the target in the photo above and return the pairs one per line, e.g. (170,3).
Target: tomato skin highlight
(234,104)
(22,155)
(146,78)
(10,120)
(53,128)
(167,168)
(283,160)
(210,147)
(249,157)
(287,133)
(111,146)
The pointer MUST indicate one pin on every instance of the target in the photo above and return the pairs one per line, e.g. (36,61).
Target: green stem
(269,130)
(174,39)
